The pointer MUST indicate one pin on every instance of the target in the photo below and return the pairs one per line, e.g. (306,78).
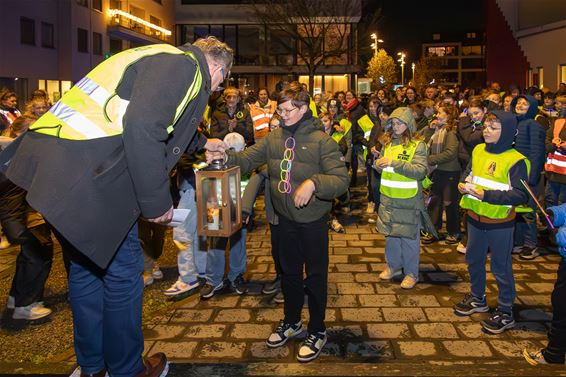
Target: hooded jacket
(530,138)
(316,157)
(518,194)
(404,217)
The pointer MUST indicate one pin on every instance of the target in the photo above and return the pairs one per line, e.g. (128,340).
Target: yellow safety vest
(366,124)
(92,108)
(312,106)
(491,172)
(346,125)
(396,185)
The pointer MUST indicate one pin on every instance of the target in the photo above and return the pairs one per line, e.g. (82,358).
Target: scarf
(350,106)
(436,143)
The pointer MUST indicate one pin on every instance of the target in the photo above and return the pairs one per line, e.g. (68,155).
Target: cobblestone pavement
(375,328)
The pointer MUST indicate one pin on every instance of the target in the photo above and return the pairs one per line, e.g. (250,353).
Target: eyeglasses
(285,111)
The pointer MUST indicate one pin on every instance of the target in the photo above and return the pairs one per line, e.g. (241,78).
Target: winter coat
(244,124)
(469,135)
(316,157)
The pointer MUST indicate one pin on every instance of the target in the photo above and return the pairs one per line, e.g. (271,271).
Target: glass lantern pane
(212,197)
(233,186)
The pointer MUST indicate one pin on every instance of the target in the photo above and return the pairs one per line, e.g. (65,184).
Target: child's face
(326,122)
(492,132)
(522,106)
(398,126)
(274,124)
(507,103)
(548,102)
(442,116)
(372,107)
(383,117)
(476,114)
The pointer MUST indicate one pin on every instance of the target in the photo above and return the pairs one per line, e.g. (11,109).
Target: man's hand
(163,219)
(304,193)
(215,145)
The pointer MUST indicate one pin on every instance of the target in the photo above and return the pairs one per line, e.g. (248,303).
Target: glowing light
(118,12)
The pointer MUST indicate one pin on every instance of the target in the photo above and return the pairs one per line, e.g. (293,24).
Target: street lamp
(374,44)
(402,61)
(413,68)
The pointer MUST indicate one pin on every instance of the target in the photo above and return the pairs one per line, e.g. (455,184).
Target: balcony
(137,30)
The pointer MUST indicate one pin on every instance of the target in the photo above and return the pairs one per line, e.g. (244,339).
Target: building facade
(53,43)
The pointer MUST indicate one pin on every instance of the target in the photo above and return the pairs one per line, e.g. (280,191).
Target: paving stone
(375,259)
(364,237)
(341,301)
(366,277)
(417,348)
(191,315)
(336,243)
(262,301)
(258,268)
(163,332)
(528,330)
(205,331)
(355,288)
(459,267)
(351,267)
(403,314)
(444,315)
(340,277)
(535,315)
(260,350)
(251,331)
(378,300)
(338,259)
(330,315)
(360,230)
(541,287)
(513,348)
(381,349)
(347,250)
(375,250)
(547,276)
(346,236)
(221,301)
(233,315)
(341,333)
(535,300)
(368,243)
(175,350)
(269,315)
(435,330)
(548,266)
(222,350)
(388,330)
(467,348)
(472,330)
(361,315)
(388,288)
(377,267)
(418,300)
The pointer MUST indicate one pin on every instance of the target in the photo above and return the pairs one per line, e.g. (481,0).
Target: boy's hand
(304,193)
(462,188)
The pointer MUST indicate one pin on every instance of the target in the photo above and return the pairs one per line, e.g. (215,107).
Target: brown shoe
(155,366)
(102,373)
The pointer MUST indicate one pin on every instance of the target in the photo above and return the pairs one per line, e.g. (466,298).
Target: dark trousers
(304,246)
(275,249)
(357,149)
(556,348)
(33,263)
(374,180)
(444,195)
(107,309)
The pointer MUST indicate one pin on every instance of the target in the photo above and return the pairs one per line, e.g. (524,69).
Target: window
(47,35)
(436,37)
(82,40)
(83,3)
(97,5)
(27,31)
(471,50)
(96,43)
(562,70)
(442,51)
(470,35)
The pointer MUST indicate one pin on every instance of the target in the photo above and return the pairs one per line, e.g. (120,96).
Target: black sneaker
(239,285)
(279,298)
(427,238)
(498,322)
(283,333)
(529,253)
(471,304)
(272,287)
(312,346)
(208,290)
(452,239)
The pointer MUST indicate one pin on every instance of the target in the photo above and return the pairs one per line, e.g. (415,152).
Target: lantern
(219,211)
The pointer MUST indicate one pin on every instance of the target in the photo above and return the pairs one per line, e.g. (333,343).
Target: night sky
(406,24)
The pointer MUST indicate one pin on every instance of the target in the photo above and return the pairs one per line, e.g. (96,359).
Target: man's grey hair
(216,50)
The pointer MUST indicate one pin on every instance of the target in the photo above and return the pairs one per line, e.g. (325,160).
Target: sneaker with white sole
(461,248)
(180,287)
(31,312)
(156,272)
(471,304)
(11,303)
(409,281)
(279,298)
(529,253)
(389,274)
(542,357)
(147,279)
(371,208)
(312,347)
(272,287)
(282,333)
(208,290)
(336,226)
(78,373)
(498,322)
(4,243)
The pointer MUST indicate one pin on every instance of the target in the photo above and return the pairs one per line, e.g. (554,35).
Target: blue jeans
(555,194)
(500,242)
(107,311)
(401,252)
(215,257)
(191,261)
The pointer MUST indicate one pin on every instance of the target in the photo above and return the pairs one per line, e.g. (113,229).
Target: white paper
(179,216)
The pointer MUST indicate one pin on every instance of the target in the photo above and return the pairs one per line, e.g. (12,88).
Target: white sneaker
(147,279)
(156,272)
(4,244)
(312,346)
(336,226)
(11,303)
(371,207)
(31,312)
(389,274)
(409,281)
(461,248)
(181,287)
(77,373)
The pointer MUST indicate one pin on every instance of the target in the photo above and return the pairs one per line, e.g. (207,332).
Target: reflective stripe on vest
(556,163)
(491,172)
(396,185)
(92,109)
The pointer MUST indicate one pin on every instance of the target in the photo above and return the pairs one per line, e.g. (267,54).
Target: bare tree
(321,29)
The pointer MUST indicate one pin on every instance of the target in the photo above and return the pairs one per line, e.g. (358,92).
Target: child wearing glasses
(307,172)
(492,189)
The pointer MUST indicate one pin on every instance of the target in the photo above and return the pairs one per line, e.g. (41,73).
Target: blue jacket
(530,140)
(558,216)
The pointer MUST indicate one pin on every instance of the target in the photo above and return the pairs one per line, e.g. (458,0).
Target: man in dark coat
(92,191)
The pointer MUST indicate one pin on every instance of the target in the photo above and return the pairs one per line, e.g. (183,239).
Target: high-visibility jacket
(261,117)
(92,108)
(346,125)
(396,185)
(491,172)
(366,124)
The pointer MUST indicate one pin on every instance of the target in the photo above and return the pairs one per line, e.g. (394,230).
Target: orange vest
(261,118)
(556,162)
